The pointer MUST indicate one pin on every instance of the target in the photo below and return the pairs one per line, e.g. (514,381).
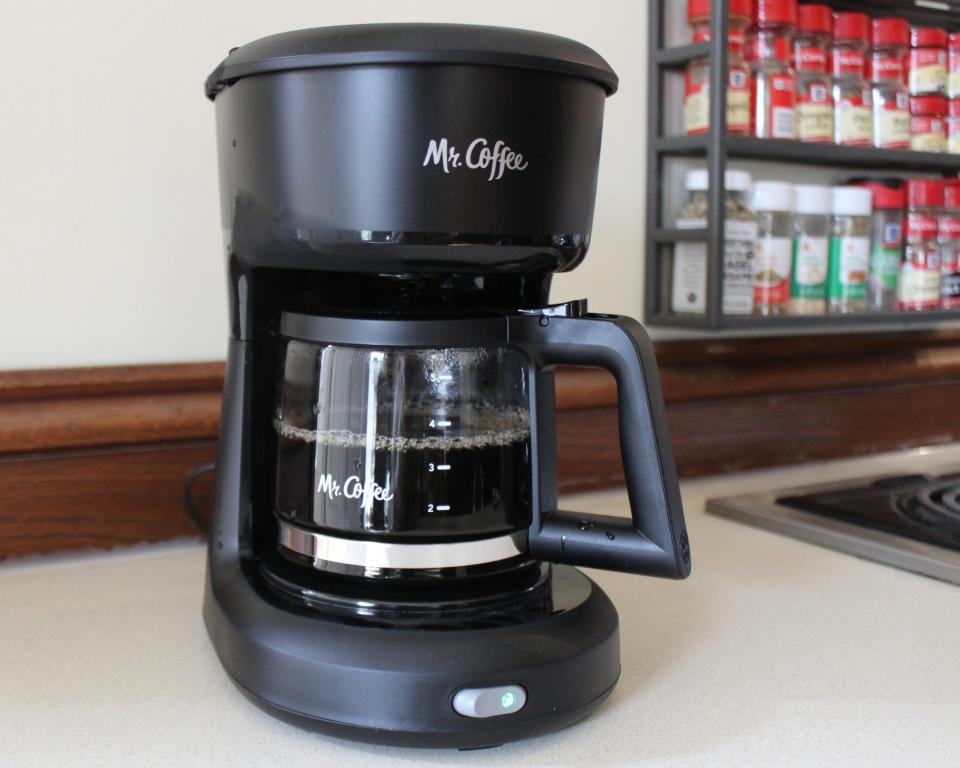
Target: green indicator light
(507,700)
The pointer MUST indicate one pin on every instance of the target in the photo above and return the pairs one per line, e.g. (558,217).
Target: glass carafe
(407,444)
(419,448)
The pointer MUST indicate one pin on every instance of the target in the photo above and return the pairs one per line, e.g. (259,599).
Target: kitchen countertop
(774,652)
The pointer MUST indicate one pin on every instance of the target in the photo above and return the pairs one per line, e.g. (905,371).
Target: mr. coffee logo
(497,159)
(353,488)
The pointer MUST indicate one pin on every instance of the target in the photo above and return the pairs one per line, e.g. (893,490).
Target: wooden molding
(95,457)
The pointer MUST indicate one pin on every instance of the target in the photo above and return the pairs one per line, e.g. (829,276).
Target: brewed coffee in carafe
(403,443)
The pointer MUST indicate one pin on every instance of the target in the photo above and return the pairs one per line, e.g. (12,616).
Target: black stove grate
(935,507)
(914,506)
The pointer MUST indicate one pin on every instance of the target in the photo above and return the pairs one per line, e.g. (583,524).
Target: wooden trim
(74,383)
(100,498)
(127,405)
(95,457)
(720,369)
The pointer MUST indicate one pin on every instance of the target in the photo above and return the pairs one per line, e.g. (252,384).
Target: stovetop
(910,521)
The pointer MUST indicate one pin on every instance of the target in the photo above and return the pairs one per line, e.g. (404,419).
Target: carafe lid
(365,44)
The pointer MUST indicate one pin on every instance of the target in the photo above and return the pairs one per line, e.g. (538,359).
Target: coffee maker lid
(360,44)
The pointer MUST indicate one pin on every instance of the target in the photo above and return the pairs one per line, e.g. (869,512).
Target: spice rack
(716,147)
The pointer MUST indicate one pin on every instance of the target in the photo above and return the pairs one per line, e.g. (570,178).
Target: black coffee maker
(387,560)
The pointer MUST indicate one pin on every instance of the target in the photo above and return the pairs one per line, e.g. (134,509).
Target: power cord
(193,513)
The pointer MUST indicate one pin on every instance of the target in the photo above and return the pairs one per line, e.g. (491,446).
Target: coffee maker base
(470,688)
(426,739)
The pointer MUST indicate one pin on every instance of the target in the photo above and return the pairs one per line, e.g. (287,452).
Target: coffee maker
(387,560)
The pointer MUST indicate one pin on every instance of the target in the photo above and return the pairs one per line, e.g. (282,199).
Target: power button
(489,702)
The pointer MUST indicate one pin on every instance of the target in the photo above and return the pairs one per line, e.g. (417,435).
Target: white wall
(109,226)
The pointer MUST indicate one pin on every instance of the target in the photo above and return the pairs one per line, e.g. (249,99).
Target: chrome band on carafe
(321,547)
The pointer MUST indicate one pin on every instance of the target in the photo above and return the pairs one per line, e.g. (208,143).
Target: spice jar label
(738,260)
(885,256)
(738,101)
(950,279)
(885,68)
(846,62)
(696,104)
(849,257)
(928,70)
(919,286)
(855,123)
(810,58)
(815,114)
(772,270)
(953,82)
(953,135)
(949,228)
(928,134)
(949,234)
(688,287)
(892,122)
(689,280)
(921,225)
(809,268)
(783,100)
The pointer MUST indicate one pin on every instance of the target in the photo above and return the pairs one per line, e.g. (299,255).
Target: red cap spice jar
(928,61)
(928,124)
(891,103)
(814,99)
(949,239)
(853,121)
(953,126)
(773,86)
(919,285)
(953,65)
(696,81)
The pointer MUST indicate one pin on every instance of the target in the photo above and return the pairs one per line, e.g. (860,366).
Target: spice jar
(696,81)
(891,104)
(814,99)
(953,65)
(949,238)
(928,123)
(919,286)
(853,122)
(886,242)
(772,87)
(811,227)
(849,250)
(928,61)
(773,202)
(688,280)
(953,126)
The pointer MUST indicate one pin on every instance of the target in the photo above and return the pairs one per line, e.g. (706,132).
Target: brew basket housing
(374,148)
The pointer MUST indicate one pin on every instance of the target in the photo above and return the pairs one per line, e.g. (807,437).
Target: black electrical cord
(193,513)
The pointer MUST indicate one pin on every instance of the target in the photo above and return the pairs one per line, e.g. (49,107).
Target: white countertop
(774,652)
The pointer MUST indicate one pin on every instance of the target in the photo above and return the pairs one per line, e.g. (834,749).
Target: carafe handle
(655,541)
